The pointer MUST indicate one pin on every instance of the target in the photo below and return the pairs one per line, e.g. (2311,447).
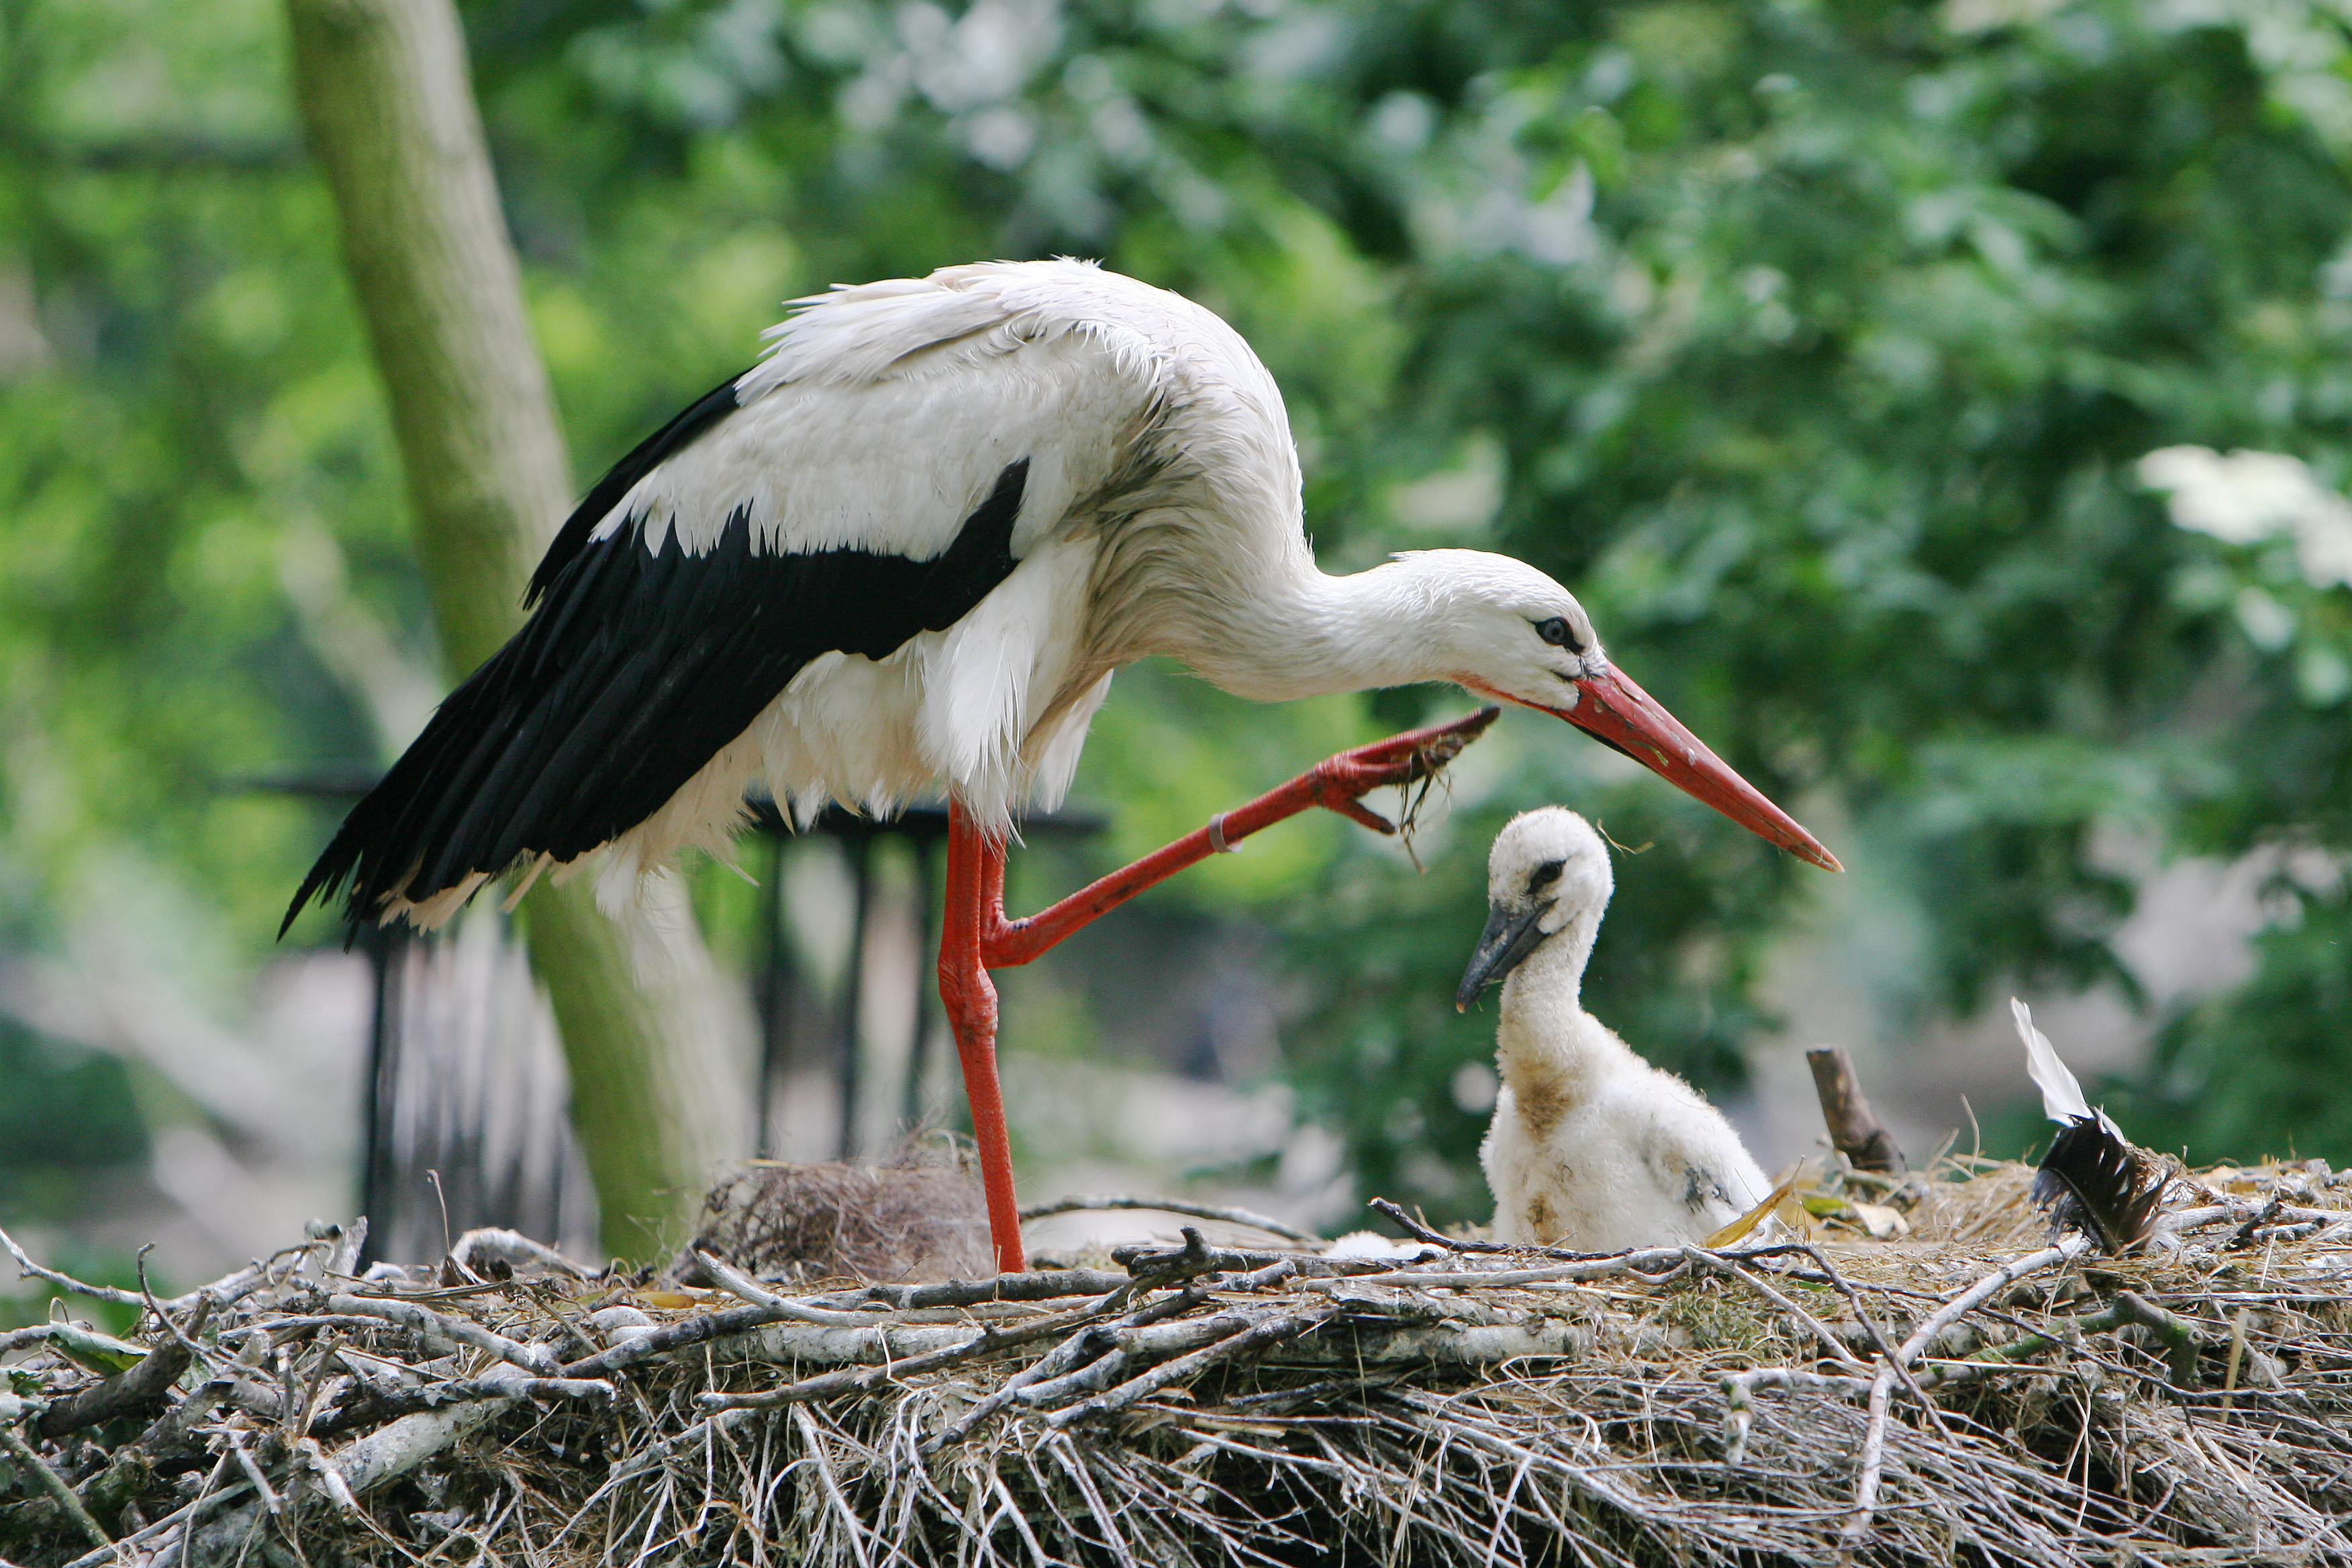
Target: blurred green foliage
(1813,343)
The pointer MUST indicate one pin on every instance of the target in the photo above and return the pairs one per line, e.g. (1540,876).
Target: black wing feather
(636,669)
(2096,1182)
(622,478)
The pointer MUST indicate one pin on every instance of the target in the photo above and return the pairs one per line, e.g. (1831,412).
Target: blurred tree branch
(388,106)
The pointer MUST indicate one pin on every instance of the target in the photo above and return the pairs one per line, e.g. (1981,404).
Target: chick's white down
(1590,1147)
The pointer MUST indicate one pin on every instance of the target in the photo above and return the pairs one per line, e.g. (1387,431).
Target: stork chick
(1592,1148)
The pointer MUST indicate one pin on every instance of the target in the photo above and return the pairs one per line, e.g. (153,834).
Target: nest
(1972,1390)
(920,1218)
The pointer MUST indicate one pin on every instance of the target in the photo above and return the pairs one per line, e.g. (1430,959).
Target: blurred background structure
(1946,409)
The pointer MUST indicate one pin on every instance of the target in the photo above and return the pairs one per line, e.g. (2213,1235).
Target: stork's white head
(1548,883)
(1505,630)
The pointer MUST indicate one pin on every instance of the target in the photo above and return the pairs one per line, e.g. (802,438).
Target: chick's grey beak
(1508,938)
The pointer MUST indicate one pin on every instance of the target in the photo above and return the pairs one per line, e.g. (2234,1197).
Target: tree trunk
(388,104)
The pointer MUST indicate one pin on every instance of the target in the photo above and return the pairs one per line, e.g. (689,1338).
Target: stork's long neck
(1546,1040)
(1293,631)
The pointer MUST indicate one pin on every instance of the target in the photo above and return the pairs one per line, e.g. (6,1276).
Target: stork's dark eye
(1557,632)
(1544,876)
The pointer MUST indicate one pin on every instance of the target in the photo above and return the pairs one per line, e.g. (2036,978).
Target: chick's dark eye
(1545,875)
(1557,632)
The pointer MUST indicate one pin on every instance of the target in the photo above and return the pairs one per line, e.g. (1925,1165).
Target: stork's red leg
(975,902)
(976,937)
(1337,784)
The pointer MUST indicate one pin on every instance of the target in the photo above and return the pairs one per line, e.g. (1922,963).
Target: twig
(1917,1386)
(681,1335)
(380,1404)
(133,1393)
(1874,1438)
(113,1485)
(1266,1331)
(17,1339)
(1063,1358)
(237,1285)
(1223,1213)
(1820,1330)
(207,1502)
(991,1338)
(1046,1285)
(28,1269)
(535,1359)
(743,1287)
(1420,1232)
(1125,1343)
(1870,1466)
(513,1246)
(186,1337)
(267,1493)
(228,1289)
(1855,1129)
(1620,1266)
(1161,1264)
(314,1459)
(369,1462)
(22,1454)
(1991,1284)
(2179,1339)
(816,1445)
(1739,1406)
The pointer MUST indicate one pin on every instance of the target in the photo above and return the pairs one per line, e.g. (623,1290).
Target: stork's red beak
(1621,715)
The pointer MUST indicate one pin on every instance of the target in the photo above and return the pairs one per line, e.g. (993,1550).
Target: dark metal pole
(386,948)
(858,845)
(773,997)
(927,989)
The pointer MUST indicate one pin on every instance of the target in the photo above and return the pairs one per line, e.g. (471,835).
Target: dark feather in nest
(2097,1183)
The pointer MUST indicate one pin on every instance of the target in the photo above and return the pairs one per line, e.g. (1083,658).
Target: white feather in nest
(2062,1096)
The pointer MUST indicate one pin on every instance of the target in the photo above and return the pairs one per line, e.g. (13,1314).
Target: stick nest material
(1970,1391)
(922,1217)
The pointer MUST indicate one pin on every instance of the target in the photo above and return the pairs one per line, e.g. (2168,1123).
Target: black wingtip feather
(2096,1182)
(635,670)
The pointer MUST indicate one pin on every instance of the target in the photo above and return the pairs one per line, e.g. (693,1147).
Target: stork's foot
(1341,782)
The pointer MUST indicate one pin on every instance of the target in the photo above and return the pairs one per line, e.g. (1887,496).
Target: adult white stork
(907,551)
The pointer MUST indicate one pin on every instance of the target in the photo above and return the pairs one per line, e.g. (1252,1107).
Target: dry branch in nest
(1973,1391)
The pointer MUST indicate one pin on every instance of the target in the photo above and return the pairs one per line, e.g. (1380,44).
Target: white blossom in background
(2246,498)
(971,67)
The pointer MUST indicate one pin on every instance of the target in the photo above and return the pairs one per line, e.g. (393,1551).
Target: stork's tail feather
(622,685)
(423,831)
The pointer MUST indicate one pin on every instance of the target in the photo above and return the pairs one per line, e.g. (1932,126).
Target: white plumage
(881,418)
(1590,1147)
(1163,515)
(906,552)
